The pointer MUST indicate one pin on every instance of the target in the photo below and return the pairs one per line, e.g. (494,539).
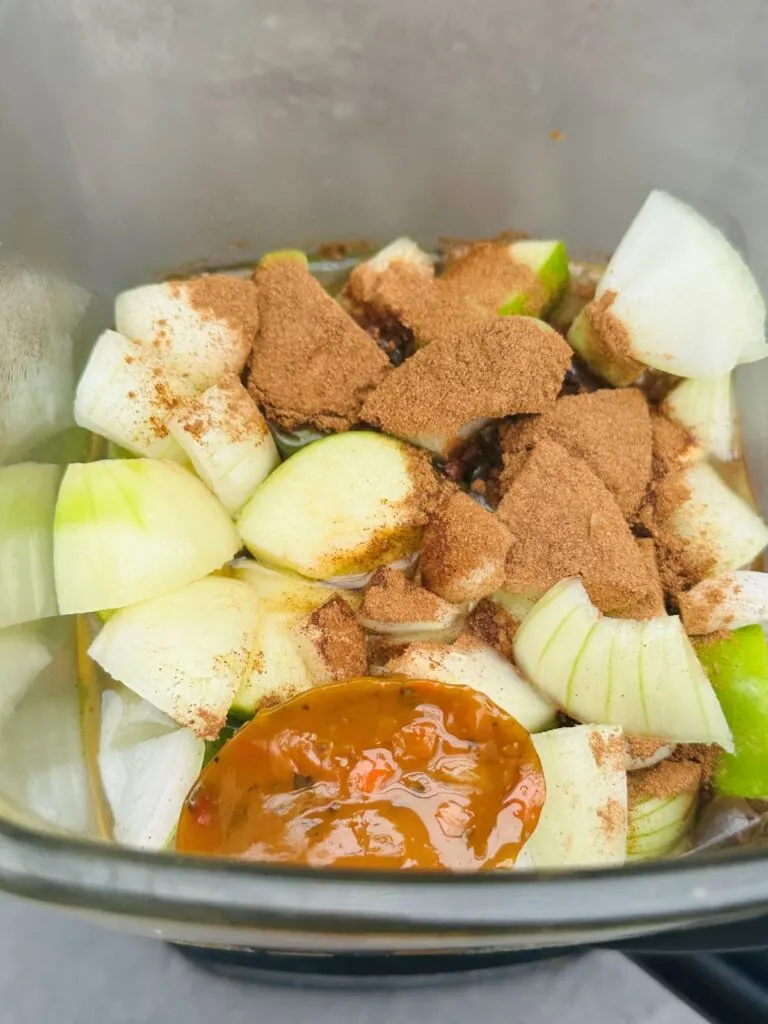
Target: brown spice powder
(223,297)
(667,779)
(642,747)
(673,446)
(311,363)
(612,341)
(696,613)
(607,750)
(498,368)
(226,406)
(488,276)
(564,522)
(392,597)
(338,638)
(494,625)
(610,430)
(706,756)
(464,551)
(656,604)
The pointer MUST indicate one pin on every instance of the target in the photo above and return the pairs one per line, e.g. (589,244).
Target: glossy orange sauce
(373,774)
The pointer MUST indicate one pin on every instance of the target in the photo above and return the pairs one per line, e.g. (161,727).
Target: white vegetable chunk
(643,676)
(707,410)
(583,821)
(470,662)
(126,395)
(186,652)
(27,504)
(202,328)
(685,297)
(147,765)
(729,601)
(129,529)
(227,440)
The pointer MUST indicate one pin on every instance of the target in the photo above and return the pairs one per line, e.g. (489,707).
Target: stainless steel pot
(137,136)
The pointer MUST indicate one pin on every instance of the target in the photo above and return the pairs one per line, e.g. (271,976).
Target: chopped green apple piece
(738,667)
(658,825)
(682,296)
(707,410)
(147,766)
(125,395)
(549,262)
(593,346)
(201,329)
(227,440)
(23,655)
(470,662)
(643,676)
(584,819)
(186,652)
(129,529)
(27,503)
(285,593)
(342,505)
(721,532)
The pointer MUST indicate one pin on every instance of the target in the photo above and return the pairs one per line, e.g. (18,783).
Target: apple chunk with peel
(470,662)
(643,676)
(729,601)
(186,652)
(676,296)
(227,441)
(343,505)
(707,410)
(737,664)
(129,529)
(506,366)
(584,819)
(147,766)
(719,531)
(127,395)
(523,278)
(200,329)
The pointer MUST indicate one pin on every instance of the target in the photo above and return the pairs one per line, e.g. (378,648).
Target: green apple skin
(737,666)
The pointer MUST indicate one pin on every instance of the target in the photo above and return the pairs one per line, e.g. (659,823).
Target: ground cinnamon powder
(610,430)
(487,276)
(391,597)
(656,604)
(610,337)
(497,368)
(223,297)
(564,522)
(642,747)
(226,406)
(311,363)
(464,551)
(494,625)
(340,642)
(667,779)
(476,284)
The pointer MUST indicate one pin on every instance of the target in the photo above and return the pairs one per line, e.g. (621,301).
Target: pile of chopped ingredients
(469,547)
